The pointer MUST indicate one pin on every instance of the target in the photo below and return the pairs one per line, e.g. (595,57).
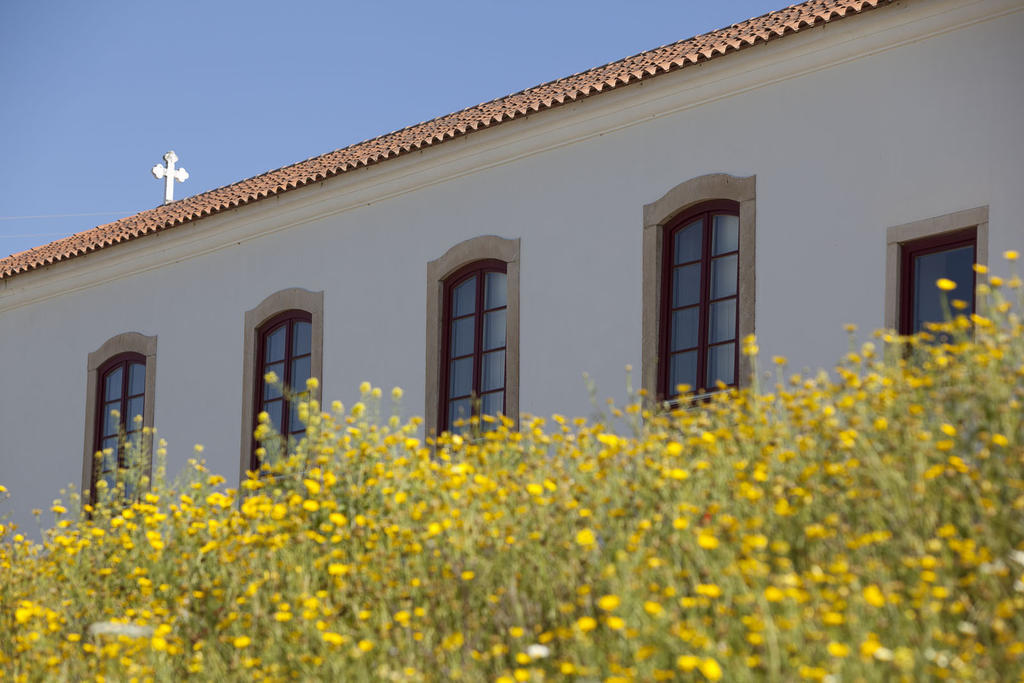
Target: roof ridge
(534,99)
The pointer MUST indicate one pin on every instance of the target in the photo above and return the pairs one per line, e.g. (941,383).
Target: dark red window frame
(480,270)
(705,212)
(288,319)
(126,427)
(911,251)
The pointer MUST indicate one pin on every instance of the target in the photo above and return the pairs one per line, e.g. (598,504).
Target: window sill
(692,401)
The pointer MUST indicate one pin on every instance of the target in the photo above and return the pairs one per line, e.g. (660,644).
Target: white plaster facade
(896,116)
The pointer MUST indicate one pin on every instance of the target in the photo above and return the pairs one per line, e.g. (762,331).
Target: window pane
(722,324)
(302,335)
(721,364)
(464,298)
(493,371)
(685,285)
(136,379)
(111,423)
(109,462)
(135,407)
(273,409)
(295,425)
(725,234)
(300,373)
(684,328)
(112,385)
(273,390)
(688,242)
(723,276)
(682,370)
(275,344)
(110,478)
(462,336)
(461,380)
(954,264)
(458,410)
(493,403)
(494,330)
(494,290)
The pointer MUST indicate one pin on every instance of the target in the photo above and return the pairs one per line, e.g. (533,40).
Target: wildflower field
(859,525)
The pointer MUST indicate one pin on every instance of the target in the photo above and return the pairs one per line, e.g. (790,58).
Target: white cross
(170,174)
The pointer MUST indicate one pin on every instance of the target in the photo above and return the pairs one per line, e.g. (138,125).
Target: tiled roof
(549,95)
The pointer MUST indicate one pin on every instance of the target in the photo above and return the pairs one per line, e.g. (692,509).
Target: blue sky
(94,93)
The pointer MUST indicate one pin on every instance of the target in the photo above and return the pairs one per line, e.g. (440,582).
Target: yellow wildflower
(706,539)
(687,662)
(711,669)
(873,596)
(653,608)
(333,638)
(24,613)
(838,649)
(586,538)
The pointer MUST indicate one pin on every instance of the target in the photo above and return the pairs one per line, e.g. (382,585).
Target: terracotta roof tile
(542,97)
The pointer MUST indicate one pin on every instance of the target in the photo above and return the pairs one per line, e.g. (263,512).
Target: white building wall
(854,144)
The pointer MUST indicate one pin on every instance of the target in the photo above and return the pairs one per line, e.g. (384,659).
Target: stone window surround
(898,235)
(656,216)
(126,342)
(284,300)
(462,254)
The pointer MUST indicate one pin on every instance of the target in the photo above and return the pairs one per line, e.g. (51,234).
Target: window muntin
(474,343)
(700,297)
(121,402)
(950,255)
(286,349)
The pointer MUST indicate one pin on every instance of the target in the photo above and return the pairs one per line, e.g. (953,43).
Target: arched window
(700,285)
(286,350)
(473,332)
(121,388)
(122,404)
(283,335)
(474,345)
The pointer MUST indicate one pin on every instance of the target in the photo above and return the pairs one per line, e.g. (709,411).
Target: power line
(38,234)
(25,235)
(63,215)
